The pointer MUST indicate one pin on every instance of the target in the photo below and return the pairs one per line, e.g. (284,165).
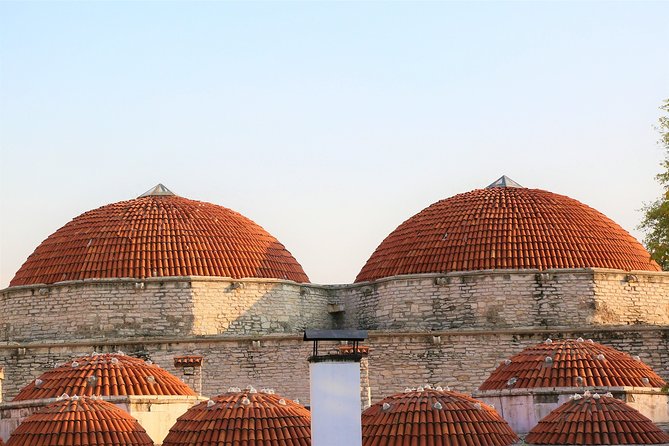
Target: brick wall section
(398,360)
(180,306)
(255,307)
(509,298)
(220,319)
(631,298)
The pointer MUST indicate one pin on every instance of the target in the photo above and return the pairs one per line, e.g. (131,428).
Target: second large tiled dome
(505,226)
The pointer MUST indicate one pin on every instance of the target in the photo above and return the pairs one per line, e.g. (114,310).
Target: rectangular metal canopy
(335,335)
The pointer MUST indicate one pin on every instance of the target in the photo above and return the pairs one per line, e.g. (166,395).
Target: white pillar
(335,402)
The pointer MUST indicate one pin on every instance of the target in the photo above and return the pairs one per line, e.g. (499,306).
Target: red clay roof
(105,375)
(598,420)
(243,418)
(159,236)
(505,228)
(80,422)
(434,417)
(192,360)
(571,363)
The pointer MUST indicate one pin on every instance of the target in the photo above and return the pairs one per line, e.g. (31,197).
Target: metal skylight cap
(503,181)
(158,191)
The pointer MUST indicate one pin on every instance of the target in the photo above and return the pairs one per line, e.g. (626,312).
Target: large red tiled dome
(596,420)
(240,418)
(503,227)
(78,422)
(434,417)
(105,375)
(156,235)
(571,363)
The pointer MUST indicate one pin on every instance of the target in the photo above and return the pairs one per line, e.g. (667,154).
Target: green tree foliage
(656,215)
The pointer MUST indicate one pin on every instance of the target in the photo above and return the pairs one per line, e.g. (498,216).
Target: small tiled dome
(156,235)
(571,363)
(77,422)
(595,420)
(434,417)
(241,418)
(505,227)
(109,374)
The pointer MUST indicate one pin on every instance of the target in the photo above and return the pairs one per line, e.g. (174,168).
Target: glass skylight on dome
(157,191)
(503,181)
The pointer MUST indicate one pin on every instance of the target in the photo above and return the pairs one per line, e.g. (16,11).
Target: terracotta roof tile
(505,228)
(106,375)
(349,350)
(434,417)
(571,363)
(193,360)
(80,422)
(596,420)
(243,418)
(158,236)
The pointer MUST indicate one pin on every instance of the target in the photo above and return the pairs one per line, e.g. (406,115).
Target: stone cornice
(373,334)
(193,279)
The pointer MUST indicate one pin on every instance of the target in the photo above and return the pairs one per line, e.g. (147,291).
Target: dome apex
(158,190)
(503,181)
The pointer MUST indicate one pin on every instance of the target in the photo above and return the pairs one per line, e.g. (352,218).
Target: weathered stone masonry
(176,306)
(450,329)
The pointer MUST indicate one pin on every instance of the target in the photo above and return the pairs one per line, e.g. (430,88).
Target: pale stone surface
(449,329)
(508,298)
(396,360)
(177,306)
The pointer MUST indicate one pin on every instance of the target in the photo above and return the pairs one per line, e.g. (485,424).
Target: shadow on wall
(258,306)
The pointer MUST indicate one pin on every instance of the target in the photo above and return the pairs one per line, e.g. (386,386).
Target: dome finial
(158,191)
(504,181)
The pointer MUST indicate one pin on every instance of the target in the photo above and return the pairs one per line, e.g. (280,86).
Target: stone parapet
(180,306)
(508,298)
(462,359)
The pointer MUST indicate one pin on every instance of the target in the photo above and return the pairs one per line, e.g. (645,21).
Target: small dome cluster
(504,227)
(243,417)
(157,235)
(80,421)
(571,363)
(237,417)
(107,374)
(436,417)
(593,419)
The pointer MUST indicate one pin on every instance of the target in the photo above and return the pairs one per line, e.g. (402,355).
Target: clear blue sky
(328,123)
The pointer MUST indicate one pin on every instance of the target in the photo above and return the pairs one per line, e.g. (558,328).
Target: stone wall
(176,306)
(449,329)
(507,298)
(461,359)
(185,306)
(278,362)
(631,298)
